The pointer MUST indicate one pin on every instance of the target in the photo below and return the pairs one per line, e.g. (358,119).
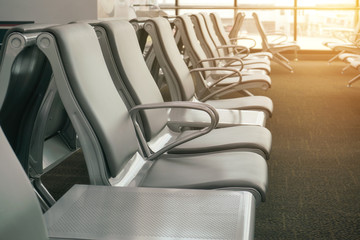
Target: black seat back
(32,115)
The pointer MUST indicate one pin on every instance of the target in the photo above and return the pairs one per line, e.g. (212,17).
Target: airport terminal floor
(314,170)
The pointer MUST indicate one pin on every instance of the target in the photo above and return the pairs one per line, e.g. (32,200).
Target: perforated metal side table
(101,212)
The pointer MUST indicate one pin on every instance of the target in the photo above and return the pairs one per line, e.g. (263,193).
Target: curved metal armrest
(280,37)
(233,71)
(222,89)
(211,111)
(344,34)
(244,38)
(352,46)
(237,48)
(228,64)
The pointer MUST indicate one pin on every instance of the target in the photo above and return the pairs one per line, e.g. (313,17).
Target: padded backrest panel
(210,27)
(135,74)
(20,213)
(192,45)
(220,30)
(261,30)
(171,56)
(238,22)
(95,93)
(205,40)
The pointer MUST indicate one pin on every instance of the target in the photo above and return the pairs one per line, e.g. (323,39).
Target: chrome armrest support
(233,72)
(230,62)
(211,111)
(234,40)
(280,37)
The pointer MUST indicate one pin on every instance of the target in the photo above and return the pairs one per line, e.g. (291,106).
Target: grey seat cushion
(232,138)
(251,102)
(203,171)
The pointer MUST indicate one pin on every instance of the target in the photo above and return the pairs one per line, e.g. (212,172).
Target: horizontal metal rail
(170,7)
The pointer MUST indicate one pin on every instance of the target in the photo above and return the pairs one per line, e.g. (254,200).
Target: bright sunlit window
(316,21)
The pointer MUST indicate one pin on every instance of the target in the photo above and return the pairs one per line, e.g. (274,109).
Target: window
(310,22)
(265,3)
(206,3)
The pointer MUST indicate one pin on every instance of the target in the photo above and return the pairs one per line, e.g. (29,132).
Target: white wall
(47,11)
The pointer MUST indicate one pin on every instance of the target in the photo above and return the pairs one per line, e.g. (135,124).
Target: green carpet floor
(314,170)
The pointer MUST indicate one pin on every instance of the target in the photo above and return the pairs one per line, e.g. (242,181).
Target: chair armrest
(338,29)
(343,34)
(211,111)
(237,48)
(212,69)
(280,37)
(223,89)
(350,47)
(244,38)
(228,64)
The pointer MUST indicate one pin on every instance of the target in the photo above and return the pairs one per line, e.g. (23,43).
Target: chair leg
(282,57)
(353,80)
(335,57)
(43,193)
(345,68)
(282,63)
(296,55)
(44,206)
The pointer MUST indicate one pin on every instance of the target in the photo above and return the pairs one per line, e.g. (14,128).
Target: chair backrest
(238,22)
(23,84)
(223,37)
(134,74)
(204,37)
(31,112)
(147,49)
(171,61)
(52,131)
(219,29)
(21,216)
(261,30)
(18,111)
(211,30)
(99,115)
(140,32)
(188,36)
